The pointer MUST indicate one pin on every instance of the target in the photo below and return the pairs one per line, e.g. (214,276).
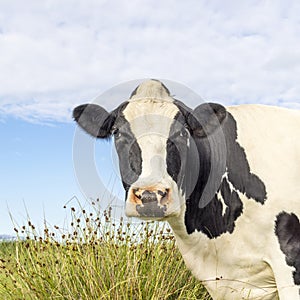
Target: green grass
(96,259)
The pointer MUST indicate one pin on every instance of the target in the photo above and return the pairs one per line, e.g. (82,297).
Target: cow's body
(227,181)
(248,262)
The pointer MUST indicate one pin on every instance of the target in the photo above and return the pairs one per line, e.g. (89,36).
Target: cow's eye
(184,132)
(116,132)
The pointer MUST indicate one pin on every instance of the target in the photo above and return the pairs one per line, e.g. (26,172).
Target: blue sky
(55,55)
(37,172)
(36,169)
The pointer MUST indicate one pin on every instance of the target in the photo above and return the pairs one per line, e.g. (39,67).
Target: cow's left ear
(94,119)
(206,118)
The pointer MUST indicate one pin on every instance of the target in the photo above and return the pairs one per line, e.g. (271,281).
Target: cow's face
(154,137)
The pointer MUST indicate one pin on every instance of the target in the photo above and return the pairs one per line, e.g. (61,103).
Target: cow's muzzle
(149,202)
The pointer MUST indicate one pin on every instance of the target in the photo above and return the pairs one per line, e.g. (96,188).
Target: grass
(96,258)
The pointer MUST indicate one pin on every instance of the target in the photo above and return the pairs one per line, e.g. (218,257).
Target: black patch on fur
(287,230)
(129,153)
(173,160)
(175,146)
(238,167)
(211,220)
(231,158)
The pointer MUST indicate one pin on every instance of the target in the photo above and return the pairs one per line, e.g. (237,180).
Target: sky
(55,55)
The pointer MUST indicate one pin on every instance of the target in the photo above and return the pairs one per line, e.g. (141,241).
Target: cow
(226,179)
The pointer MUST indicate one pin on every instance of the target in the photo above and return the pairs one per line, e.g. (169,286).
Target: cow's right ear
(94,119)
(206,118)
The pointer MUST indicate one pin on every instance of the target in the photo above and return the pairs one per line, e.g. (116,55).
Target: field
(96,258)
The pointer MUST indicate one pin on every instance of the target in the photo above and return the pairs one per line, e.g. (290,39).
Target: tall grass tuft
(96,258)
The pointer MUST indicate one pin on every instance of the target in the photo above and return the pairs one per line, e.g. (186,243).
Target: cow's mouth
(151,210)
(148,203)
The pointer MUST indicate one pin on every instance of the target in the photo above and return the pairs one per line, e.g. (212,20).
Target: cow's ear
(206,118)
(94,119)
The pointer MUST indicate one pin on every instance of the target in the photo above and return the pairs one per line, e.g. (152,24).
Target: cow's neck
(183,238)
(196,250)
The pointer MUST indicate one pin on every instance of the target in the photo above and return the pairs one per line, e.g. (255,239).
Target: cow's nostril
(136,193)
(163,193)
(148,197)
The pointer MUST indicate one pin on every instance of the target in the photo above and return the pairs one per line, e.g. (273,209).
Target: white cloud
(56,54)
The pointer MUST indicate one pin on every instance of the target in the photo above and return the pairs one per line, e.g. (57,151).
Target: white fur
(151,90)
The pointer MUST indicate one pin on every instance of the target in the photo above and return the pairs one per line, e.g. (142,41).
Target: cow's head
(156,141)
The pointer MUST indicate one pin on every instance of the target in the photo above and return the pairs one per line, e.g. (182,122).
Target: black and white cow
(226,179)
